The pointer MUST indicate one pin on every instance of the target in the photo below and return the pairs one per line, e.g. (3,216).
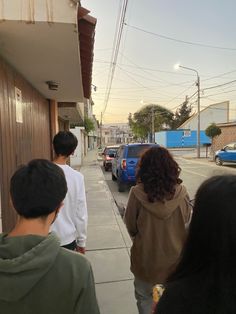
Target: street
(193,173)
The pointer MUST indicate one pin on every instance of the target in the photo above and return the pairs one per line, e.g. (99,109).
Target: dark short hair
(159,173)
(38,188)
(64,143)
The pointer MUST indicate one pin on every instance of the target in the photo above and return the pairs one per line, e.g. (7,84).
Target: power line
(146,71)
(179,40)
(117,41)
(180,94)
(216,86)
(145,68)
(220,75)
(155,80)
(169,72)
(226,92)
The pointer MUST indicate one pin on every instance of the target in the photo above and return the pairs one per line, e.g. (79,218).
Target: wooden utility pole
(153,125)
(101,130)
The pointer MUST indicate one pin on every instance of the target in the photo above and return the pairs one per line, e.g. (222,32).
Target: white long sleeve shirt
(71,222)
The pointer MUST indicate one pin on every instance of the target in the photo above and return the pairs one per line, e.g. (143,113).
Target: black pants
(71,246)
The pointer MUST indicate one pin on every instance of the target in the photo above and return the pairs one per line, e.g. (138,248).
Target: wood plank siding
(20,142)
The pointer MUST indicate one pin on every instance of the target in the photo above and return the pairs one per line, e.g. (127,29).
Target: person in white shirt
(71,223)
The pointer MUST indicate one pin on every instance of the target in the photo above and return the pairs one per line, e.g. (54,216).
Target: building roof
(182,126)
(233,123)
(59,51)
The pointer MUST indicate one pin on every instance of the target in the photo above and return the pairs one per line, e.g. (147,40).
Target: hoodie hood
(161,210)
(24,260)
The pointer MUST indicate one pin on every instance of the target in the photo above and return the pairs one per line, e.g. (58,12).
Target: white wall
(60,11)
(81,108)
(216,113)
(77,158)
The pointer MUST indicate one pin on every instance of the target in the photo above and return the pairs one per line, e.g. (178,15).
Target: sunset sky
(144,73)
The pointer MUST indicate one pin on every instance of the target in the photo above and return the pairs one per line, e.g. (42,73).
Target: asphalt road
(193,173)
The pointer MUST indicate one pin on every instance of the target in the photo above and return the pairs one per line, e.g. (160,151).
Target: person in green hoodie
(37,276)
(156,216)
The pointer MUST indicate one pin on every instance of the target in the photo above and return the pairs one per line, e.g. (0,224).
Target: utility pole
(198,107)
(101,130)
(153,125)
(198,118)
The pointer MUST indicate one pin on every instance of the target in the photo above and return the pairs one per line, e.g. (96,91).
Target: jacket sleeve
(187,210)
(81,214)
(87,301)
(131,214)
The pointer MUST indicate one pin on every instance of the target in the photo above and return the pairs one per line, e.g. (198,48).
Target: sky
(145,73)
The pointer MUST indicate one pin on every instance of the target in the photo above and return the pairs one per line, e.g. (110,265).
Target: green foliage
(182,114)
(212,130)
(141,122)
(88,125)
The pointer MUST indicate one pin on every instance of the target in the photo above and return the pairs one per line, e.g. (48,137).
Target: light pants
(143,295)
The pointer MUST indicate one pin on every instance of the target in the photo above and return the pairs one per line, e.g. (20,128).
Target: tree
(212,131)
(141,121)
(88,125)
(182,114)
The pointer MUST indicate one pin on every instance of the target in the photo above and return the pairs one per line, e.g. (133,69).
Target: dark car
(226,154)
(125,162)
(108,155)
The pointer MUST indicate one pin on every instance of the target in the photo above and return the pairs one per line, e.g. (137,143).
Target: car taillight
(123,164)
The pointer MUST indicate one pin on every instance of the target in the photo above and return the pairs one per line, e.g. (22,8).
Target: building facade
(116,133)
(46,61)
(215,113)
(228,135)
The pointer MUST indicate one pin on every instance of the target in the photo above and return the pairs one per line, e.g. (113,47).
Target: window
(136,151)
(230,146)
(120,151)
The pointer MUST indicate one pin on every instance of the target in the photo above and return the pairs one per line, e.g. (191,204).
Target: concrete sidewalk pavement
(108,243)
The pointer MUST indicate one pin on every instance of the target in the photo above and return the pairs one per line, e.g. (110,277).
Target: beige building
(46,61)
(215,113)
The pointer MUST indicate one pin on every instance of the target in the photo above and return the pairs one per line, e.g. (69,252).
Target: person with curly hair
(156,216)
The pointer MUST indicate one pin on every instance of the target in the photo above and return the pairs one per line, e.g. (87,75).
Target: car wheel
(121,186)
(113,177)
(218,161)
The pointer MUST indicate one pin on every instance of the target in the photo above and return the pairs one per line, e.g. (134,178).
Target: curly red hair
(159,173)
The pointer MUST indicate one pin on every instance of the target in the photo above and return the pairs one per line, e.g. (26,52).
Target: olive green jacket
(37,276)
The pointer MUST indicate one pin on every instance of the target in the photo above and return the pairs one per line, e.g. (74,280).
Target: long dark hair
(209,255)
(159,173)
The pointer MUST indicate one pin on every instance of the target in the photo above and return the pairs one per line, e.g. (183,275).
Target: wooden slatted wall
(20,142)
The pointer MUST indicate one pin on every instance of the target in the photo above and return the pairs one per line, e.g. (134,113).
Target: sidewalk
(108,243)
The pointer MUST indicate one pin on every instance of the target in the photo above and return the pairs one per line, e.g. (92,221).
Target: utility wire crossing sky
(138,42)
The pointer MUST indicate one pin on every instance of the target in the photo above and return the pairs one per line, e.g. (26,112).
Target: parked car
(125,162)
(108,155)
(226,154)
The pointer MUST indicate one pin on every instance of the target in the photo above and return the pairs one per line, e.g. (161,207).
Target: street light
(177,66)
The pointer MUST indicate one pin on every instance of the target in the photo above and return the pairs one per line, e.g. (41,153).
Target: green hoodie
(37,276)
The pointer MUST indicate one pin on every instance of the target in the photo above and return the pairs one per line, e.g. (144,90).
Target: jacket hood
(24,260)
(161,210)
